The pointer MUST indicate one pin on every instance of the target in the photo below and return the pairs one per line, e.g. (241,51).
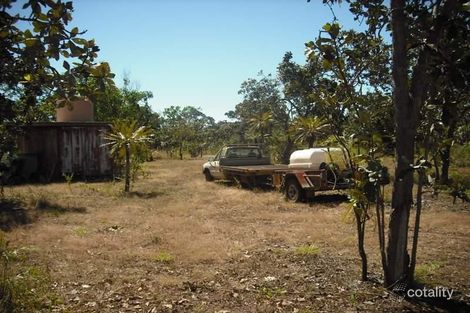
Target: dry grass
(176,228)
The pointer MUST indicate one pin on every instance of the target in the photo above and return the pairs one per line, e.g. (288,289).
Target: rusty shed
(74,144)
(67,147)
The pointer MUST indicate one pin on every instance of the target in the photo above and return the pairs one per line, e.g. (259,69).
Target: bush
(23,287)
(461,155)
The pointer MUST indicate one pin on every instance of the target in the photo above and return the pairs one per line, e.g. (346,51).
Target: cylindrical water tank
(77,111)
(314,157)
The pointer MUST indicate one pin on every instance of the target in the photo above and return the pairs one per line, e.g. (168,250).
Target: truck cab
(233,155)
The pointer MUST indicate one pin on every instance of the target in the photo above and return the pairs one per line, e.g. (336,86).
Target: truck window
(243,152)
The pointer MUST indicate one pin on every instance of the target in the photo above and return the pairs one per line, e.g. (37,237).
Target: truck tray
(267,169)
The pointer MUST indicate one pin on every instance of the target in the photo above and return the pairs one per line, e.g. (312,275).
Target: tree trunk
(181,151)
(405,124)
(128,169)
(310,142)
(414,248)
(287,151)
(360,223)
(379,207)
(436,169)
(445,157)
(449,119)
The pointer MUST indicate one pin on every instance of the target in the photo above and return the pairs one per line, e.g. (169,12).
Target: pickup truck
(309,170)
(231,162)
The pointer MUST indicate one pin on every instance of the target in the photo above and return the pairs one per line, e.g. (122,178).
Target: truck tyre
(208,176)
(293,190)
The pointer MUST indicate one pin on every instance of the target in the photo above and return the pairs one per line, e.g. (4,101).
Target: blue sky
(199,52)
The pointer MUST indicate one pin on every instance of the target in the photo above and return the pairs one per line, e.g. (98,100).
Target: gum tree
(417,29)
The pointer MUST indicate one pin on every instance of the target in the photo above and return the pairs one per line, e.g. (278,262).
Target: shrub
(23,287)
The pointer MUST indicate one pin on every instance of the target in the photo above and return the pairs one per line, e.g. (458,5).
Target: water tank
(77,111)
(314,157)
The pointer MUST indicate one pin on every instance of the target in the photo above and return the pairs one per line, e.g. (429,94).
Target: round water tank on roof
(77,111)
(314,157)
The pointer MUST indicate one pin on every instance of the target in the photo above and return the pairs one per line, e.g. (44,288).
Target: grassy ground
(180,244)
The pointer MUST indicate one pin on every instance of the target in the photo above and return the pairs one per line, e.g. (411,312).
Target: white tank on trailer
(314,157)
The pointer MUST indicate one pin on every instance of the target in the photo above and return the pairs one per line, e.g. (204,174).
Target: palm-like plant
(125,138)
(261,124)
(308,129)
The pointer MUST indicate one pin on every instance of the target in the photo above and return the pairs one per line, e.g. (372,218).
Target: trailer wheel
(293,190)
(208,176)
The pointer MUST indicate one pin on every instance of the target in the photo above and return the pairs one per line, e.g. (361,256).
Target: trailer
(301,184)
(297,184)
(252,175)
(309,170)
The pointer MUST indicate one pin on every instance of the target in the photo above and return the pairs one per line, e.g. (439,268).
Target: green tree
(261,126)
(128,139)
(127,102)
(184,129)
(309,129)
(33,39)
(418,30)
(263,108)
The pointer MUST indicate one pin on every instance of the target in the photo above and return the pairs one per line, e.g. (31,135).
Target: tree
(408,97)
(301,84)
(417,30)
(32,42)
(127,138)
(309,129)
(127,102)
(264,110)
(184,129)
(261,126)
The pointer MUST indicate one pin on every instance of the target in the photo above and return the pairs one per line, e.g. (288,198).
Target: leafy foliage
(33,40)
(309,129)
(128,145)
(185,129)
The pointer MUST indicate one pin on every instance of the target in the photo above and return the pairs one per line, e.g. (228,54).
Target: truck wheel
(208,176)
(293,190)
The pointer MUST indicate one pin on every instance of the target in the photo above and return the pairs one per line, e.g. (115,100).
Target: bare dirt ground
(180,244)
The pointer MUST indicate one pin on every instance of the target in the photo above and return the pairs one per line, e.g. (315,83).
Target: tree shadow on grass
(458,302)
(45,205)
(333,199)
(13,213)
(145,195)
(442,304)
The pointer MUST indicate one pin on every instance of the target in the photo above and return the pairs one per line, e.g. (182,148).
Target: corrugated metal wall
(68,148)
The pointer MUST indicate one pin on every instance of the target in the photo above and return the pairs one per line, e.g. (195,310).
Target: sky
(199,52)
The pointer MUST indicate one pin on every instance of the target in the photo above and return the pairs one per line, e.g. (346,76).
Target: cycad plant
(308,129)
(127,138)
(261,125)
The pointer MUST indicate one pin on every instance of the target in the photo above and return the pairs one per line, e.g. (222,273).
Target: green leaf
(334,30)
(28,34)
(80,41)
(76,51)
(30,42)
(28,77)
(74,31)
(327,27)
(43,17)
